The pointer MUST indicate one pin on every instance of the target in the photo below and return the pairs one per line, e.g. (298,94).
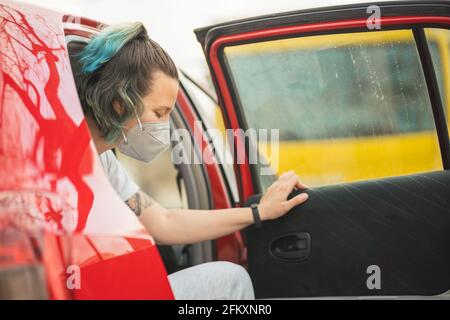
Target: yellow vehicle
(348,106)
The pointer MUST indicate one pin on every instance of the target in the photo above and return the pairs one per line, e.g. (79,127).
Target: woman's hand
(274,203)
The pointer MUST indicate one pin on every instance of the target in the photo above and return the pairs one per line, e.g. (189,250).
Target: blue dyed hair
(106,44)
(117,66)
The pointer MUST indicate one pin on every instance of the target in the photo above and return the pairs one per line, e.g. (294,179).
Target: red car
(65,234)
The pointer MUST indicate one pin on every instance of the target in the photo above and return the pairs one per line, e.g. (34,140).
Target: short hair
(117,65)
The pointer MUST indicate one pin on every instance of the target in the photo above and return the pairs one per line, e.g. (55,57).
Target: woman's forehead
(164,92)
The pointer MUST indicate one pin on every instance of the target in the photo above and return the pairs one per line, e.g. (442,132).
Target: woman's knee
(212,280)
(238,278)
(234,270)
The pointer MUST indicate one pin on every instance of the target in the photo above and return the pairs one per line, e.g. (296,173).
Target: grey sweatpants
(211,281)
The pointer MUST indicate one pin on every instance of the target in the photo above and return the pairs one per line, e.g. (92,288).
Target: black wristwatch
(256,216)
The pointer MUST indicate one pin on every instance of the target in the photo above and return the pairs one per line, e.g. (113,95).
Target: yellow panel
(342,160)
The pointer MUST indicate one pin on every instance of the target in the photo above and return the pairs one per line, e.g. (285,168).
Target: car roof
(329,13)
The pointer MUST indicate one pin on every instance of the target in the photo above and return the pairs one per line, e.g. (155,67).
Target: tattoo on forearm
(139,201)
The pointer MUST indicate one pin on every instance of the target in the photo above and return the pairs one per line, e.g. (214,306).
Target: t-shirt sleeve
(118,176)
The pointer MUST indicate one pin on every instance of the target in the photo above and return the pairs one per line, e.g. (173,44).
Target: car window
(348,107)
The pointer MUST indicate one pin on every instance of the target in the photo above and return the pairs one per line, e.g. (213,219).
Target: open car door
(360,98)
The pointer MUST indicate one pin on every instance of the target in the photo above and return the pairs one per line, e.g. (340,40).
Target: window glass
(348,106)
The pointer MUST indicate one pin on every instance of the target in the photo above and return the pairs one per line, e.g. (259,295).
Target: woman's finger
(286,175)
(295,201)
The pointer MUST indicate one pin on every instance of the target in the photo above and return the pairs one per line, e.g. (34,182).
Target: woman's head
(125,74)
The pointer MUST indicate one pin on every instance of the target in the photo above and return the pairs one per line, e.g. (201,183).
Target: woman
(128,86)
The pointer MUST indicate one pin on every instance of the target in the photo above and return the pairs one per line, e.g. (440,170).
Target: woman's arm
(181,226)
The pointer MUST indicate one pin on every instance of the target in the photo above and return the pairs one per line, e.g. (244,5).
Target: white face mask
(146,140)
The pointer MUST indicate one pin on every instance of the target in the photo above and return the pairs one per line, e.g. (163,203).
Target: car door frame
(414,15)
(342,19)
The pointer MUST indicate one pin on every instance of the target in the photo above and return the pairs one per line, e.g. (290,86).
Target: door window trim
(434,95)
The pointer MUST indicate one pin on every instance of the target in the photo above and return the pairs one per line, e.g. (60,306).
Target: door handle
(292,247)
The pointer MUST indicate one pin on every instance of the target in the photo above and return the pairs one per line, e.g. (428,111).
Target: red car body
(57,208)
(52,179)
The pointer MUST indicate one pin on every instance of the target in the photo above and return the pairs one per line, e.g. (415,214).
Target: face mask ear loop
(124,137)
(139,121)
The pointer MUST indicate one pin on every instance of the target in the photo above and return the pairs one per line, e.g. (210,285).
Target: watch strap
(256,216)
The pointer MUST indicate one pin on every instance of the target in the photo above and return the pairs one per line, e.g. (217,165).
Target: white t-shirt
(118,177)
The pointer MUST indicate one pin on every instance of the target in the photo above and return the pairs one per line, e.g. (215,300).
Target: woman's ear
(118,107)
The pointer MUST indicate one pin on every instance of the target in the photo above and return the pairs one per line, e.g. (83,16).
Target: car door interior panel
(331,245)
